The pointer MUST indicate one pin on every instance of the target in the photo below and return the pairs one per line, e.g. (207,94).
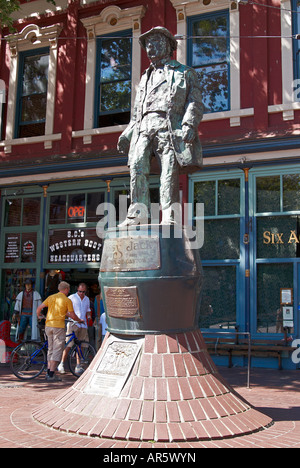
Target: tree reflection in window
(209,56)
(114,70)
(33,95)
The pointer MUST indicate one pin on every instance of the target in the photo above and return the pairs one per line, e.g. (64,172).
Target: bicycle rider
(81,305)
(59,307)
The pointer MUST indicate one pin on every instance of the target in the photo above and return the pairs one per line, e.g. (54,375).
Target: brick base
(173,393)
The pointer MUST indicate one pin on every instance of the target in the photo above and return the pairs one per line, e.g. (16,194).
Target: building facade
(68,75)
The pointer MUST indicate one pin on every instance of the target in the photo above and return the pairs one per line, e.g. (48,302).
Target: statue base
(157,388)
(153,379)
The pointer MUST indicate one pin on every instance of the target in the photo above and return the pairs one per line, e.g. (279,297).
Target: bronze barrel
(150,280)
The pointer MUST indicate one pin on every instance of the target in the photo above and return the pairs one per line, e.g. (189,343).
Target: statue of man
(164,124)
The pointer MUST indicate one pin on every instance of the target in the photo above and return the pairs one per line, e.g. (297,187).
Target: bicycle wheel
(28,360)
(80,357)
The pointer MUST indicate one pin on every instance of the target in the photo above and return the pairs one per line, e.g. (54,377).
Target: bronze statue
(166,115)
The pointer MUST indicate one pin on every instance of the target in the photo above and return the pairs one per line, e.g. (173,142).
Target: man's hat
(159,30)
(28,281)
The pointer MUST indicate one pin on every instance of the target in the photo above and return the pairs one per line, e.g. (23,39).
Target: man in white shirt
(81,305)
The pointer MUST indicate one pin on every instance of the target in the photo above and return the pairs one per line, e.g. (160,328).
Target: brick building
(68,75)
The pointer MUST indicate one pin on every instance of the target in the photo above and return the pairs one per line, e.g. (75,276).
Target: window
(209,55)
(32,94)
(72,234)
(221,252)
(222,202)
(75,208)
(278,216)
(277,230)
(113,81)
(22,212)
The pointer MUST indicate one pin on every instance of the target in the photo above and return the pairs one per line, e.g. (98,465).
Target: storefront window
(31,211)
(20,247)
(223,211)
(13,280)
(76,208)
(58,205)
(277,226)
(271,279)
(291,192)
(13,210)
(22,212)
(218,307)
(278,237)
(268,194)
(78,246)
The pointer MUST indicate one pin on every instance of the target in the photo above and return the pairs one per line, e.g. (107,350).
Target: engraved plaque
(131,254)
(115,365)
(122,302)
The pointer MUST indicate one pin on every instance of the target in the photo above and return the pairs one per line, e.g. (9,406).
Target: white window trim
(188,8)
(111,20)
(289,105)
(30,38)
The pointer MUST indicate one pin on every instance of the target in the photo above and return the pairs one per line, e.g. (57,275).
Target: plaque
(131,254)
(116,363)
(122,302)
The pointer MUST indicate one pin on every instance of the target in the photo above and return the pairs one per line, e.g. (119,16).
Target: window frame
(32,38)
(111,20)
(238,263)
(255,261)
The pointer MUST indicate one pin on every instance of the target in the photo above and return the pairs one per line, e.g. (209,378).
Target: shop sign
(271,238)
(74,246)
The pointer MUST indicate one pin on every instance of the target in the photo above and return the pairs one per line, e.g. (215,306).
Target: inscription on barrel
(131,254)
(122,302)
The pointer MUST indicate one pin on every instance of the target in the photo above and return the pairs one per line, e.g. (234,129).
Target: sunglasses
(81,292)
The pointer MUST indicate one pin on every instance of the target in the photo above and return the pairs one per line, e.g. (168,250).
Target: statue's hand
(123,144)
(188,134)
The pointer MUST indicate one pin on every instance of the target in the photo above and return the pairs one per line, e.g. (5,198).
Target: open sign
(76,212)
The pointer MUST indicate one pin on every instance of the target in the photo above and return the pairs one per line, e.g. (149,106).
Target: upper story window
(113,80)
(113,69)
(209,55)
(32,85)
(32,94)
(296,30)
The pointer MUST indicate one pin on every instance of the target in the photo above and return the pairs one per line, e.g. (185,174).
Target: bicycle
(29,359)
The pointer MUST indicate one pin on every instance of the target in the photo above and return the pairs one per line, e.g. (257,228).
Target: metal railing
(234,334)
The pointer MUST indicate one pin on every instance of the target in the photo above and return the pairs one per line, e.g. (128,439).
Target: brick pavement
(275,393)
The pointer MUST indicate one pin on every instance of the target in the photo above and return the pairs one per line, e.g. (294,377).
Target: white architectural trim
(30,38)
(112,19)
(38,8)
(66,175)
(287,63)
(186,8)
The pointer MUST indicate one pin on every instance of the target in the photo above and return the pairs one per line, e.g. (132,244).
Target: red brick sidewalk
(275,393)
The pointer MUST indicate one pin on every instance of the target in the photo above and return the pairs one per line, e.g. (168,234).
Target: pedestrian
(59,307)
(81,306)
(25,309)
(103,326)
(99,310)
